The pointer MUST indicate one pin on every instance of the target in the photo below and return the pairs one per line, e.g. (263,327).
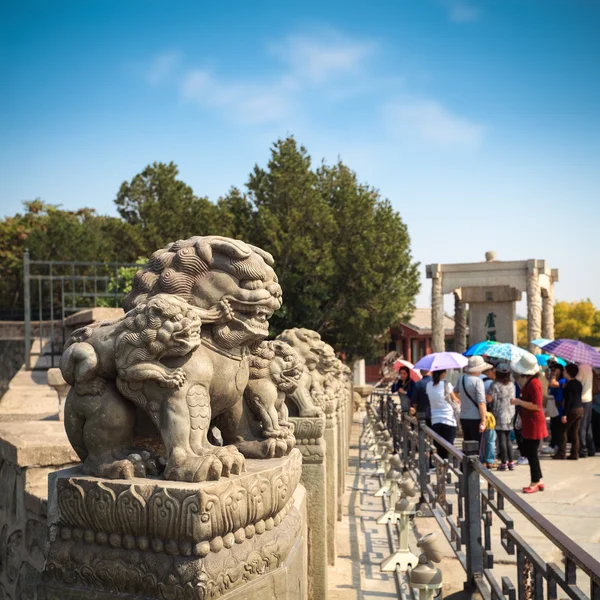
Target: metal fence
(53,290)
(464,497)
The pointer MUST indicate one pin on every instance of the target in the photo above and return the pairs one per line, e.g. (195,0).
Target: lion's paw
(195,468)
(232,460)
(173,379)
(111,469)
(226,311)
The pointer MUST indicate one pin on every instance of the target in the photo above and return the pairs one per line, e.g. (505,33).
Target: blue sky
(480,121)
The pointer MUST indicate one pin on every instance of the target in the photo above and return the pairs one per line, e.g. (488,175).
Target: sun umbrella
(541,342)
(574,351)
(440,361)
(411,369)
(544,359)
(507,352)
(479,349)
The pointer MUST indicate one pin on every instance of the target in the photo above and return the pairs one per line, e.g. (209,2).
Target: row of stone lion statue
(186,384)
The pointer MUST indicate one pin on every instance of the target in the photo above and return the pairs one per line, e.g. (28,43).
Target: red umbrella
(414,375)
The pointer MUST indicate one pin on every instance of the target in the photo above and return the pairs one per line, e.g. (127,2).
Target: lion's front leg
(185,421)
(156,371)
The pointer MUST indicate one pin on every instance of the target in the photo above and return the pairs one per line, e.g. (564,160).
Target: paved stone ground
(571,502)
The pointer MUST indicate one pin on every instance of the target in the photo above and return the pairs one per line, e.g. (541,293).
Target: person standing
(586,438)
(596,408)
(572,414)
(500,394)
(404,386)
(472,399)
(489,435)
(420,401)
(533,421)
(443,421)
(556,383)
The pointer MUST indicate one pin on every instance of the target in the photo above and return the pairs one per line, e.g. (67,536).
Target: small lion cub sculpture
(130,349)
(275,370)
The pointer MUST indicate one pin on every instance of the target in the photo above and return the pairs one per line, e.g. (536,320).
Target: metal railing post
(27,310)
(472,500)
(423,462)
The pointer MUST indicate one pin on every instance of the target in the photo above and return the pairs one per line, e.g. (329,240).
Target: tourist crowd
(502,405)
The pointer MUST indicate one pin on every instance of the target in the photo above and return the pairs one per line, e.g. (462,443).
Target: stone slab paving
(361,543)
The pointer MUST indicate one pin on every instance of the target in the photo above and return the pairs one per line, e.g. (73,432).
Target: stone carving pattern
(138,514)
(224,567)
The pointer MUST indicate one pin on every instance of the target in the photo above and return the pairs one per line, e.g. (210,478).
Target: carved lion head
(305,342)
(167,325)
(277,361)
(206,270)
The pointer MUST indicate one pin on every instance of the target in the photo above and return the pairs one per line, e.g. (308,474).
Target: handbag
(464,387)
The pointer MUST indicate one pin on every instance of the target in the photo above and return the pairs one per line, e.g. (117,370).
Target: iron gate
(53,290)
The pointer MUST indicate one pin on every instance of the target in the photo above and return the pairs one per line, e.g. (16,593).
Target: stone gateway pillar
(460,323)
(548,312)
(437,312)
(534,309)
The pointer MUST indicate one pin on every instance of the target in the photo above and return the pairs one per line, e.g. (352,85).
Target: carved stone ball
(202,549)
(115,540)
(269,524)
(143,543)
(228,540)
(171,547)
(250,530)
(490,256)
(128,541)
(101,538)
(259,527)
(239,535)
(89,536)
(216,544)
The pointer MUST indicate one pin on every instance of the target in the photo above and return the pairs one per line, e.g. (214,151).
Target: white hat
(476,364)
(526,365)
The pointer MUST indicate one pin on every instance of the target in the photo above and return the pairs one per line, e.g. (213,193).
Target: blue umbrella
(507,352)
(544,359)
(479,349)
(541,342)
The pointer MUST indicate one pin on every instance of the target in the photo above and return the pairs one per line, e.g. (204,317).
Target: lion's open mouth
(189,332)
(254,317)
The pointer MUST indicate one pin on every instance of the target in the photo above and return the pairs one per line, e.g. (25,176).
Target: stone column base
(152,539)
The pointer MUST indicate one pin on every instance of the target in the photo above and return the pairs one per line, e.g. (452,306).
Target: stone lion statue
(175,365)
(275,370)
(305,342)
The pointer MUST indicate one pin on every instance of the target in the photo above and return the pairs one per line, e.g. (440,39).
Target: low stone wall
(12,358)
(28,452)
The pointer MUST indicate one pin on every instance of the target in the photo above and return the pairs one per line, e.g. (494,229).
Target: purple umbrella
(440,361)
(574,351)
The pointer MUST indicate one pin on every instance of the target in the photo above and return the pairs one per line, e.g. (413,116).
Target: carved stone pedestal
(331,445)
(309,433)
(236,538)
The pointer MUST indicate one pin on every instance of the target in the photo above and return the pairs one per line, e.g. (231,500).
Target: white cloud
(433,122)
(310,64)
(162,67)
(315,60)
(460,11)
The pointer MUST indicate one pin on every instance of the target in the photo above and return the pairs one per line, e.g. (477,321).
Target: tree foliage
(577,321)
(572,320)
(342,252)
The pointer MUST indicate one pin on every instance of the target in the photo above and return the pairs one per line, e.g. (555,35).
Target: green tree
(164,208)
(294,223)
(577,320)
(374,280)
(342,253)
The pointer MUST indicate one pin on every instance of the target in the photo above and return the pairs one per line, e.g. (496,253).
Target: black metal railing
(464,497)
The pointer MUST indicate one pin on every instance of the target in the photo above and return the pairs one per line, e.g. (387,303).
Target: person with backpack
(472,399)
(443,402)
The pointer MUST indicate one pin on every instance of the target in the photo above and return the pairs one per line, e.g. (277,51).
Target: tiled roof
(421,321)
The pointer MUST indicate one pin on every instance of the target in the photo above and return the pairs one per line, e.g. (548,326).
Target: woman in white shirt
(443,421)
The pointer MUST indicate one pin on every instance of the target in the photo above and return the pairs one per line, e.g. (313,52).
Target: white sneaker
(522,461)
(548,450)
